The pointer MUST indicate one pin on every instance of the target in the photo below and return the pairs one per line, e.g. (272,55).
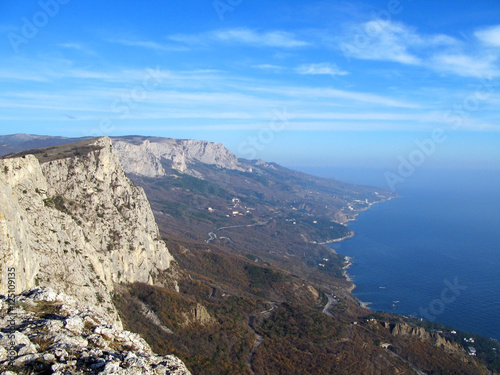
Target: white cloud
(394,41)
(77,47)
(16,75)
(465,65)
(489,36)
(321,68)
(269,67)
(280,39)
(367,116)
(271,39)
(381,40)
(147,44)
(313,93)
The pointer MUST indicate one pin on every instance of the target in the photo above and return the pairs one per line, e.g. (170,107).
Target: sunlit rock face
(147,156)
(70,219)
(54,333)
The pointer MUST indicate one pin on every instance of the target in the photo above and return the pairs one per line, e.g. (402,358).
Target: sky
(395,84)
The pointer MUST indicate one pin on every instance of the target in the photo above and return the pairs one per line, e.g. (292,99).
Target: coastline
(351,235)
(348,264)
(348,260)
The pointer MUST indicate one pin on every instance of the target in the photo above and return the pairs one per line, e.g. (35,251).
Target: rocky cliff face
(72,220)
(407,330)
(52,333)
(148,156)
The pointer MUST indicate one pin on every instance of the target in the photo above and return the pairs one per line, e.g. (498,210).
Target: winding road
(258,338)
(212,236)
(331,302)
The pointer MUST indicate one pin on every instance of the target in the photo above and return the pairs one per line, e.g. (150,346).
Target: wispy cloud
(147,44)
(277,68)
(381,40)
(465,65)
(15,75)
(271,39)
(310,93)
(77,47)
(321,68)
(489,36)
(278,39)
(397,42)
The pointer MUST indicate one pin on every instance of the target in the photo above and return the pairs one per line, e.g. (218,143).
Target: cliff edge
(45,332)
(70,219)
(145,156)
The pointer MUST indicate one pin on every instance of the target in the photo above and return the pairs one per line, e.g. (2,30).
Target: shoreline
(348,260)
(348,263)
(351,235)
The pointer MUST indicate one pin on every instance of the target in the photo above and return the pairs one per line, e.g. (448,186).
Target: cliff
(55,334)
(406,330)
(70,219)
(147,156)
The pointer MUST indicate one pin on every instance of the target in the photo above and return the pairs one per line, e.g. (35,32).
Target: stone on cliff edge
(83,343)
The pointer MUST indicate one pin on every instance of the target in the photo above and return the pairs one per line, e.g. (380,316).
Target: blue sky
(340,83)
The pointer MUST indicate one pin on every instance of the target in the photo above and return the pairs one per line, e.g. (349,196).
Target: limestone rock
(420,333)
(148,156)
(75,222)
(95,347)
(198,315)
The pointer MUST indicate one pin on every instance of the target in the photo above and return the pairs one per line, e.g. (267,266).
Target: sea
(434,252)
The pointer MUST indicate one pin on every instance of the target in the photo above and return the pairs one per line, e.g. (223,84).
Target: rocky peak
(46,332)
(72,220)
(148,156)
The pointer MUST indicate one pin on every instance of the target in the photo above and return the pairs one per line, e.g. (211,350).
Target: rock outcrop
(198,314)
(148,157)
(70,219)
(420,333)
(45,332)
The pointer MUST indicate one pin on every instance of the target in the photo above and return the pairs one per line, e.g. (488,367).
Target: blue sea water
(443,230)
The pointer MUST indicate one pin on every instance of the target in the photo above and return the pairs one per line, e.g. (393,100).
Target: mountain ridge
(145,156)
